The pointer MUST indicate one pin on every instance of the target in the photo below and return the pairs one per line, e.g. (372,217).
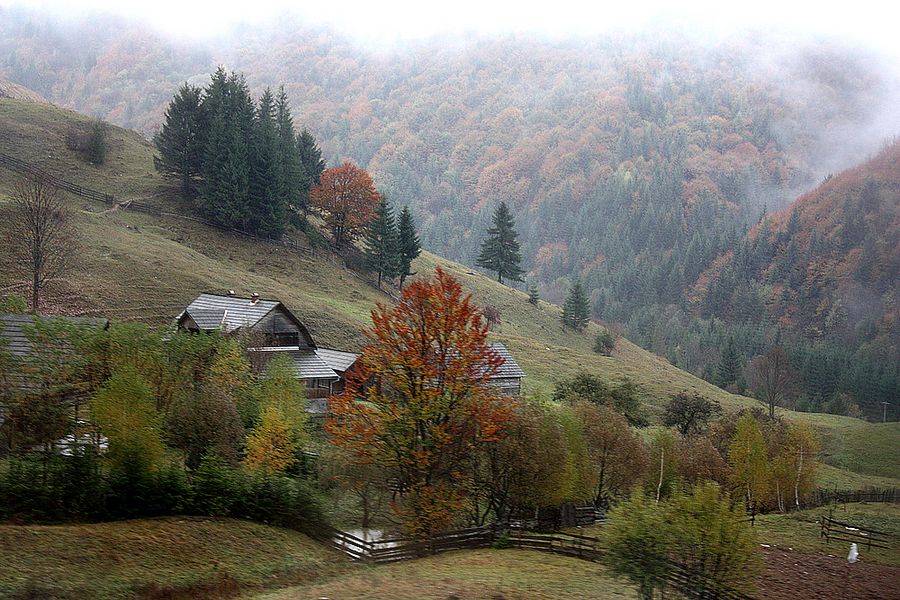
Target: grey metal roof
(207,319)
(237,312)
(306,363)
(336,359)
(509,368)
(14,329)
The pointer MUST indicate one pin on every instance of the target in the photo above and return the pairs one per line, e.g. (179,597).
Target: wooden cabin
(269,330)
(509,377)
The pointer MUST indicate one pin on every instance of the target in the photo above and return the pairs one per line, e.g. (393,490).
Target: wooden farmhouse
(270,329)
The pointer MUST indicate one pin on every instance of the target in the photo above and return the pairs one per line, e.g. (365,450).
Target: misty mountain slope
(825,271)
(135,266)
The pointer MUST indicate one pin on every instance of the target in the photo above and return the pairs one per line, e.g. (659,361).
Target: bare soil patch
(794,575)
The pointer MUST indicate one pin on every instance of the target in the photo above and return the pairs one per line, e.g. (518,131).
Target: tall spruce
(225,193)
(181,140)
(408,243)
(382,249)
(292,172)
(267,184)
(729,367)
(576,311)
(500,249)
(311,163)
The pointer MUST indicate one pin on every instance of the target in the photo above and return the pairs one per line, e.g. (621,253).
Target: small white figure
(854,553)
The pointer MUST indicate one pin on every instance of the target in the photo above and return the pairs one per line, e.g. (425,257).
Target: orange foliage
(419,402)
(346,197)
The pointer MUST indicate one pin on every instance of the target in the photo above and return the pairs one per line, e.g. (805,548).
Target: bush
(217,489)
(604,343)
(700,534)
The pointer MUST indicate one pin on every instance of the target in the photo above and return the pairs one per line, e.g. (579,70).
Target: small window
(324,383)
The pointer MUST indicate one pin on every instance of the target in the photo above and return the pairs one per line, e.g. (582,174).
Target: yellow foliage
(270,446)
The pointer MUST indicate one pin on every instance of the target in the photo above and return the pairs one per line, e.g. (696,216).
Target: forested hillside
(637,163)
(826,270)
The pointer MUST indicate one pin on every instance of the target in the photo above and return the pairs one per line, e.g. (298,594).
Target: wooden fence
(844,532)
(683,579)
(404,548)
(824,497)
(20,166)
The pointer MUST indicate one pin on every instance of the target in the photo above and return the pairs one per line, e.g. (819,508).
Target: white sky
(866,22)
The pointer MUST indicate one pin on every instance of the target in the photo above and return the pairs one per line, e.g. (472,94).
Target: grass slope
(113,560)
(489,574)
(134,266)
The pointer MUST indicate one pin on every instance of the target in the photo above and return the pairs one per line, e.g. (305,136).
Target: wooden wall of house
(508,385)
(280,329)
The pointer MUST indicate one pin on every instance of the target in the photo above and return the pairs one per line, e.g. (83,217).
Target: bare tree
(43,236)
(772,378)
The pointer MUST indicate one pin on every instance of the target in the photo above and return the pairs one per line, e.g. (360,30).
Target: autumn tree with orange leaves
(419,402)
(346,197)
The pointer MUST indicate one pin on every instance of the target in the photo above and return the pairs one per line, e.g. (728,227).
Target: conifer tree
(500,250)
(291,170)
(533,294)
(729,367)
(576,311)
(408,244)
(382,249)
(225,193)
(311,163)
(181,139)
(267,185)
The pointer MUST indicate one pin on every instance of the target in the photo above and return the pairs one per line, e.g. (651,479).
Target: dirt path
(796,576)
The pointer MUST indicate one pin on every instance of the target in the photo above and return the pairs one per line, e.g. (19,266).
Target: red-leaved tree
(346,197)
(419,402)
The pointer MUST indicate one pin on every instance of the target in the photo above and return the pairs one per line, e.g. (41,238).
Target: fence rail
(844,532)
(20,166)
(824,497)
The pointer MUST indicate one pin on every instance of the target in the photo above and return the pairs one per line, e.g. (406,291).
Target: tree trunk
(35,293)
(797,482)
(662,456)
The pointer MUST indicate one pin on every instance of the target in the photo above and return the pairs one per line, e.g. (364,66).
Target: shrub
(604,343)
(217,489)
(701,534)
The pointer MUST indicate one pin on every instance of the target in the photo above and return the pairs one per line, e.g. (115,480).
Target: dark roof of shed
(510,368)
(336,359)
(14,329)
(235,312)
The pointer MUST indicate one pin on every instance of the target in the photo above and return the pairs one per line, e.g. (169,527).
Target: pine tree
(267,185)
(225,193)
(408,244)
(181,139)
(576,311)
(382,246)
(533,294)
(729,367)
(311,163)
(500,250)
(292,173)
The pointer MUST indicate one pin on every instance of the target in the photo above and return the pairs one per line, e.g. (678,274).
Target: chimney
(254,298)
